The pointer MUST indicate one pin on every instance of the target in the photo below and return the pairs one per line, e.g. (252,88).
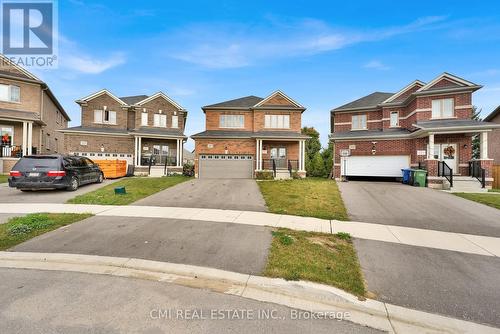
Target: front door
(278,154)
(447,153)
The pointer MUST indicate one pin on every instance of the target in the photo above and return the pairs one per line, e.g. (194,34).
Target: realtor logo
(29,32)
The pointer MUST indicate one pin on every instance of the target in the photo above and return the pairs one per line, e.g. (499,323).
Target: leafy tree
(327,155)
(313,146)
(476,115)
(317,167)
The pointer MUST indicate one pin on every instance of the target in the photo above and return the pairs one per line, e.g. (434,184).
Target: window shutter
(97,116)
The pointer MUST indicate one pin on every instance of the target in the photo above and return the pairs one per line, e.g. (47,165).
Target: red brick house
(251,135)
(30,116)
(424,124)
(494,137)
(143,130)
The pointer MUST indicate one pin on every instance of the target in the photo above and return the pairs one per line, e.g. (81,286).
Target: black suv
(54,172)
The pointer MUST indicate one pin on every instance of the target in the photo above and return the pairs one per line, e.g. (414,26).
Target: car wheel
(73,184)
(100,179)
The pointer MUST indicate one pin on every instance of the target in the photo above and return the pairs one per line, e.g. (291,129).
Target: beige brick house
(146,131)
(30,116)
(250,135)
(426,125)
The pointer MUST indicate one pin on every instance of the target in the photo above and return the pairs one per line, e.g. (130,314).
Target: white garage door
(225,166)
(387,165)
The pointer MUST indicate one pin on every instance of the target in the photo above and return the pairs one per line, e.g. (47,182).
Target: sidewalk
(311,297)
(466,243)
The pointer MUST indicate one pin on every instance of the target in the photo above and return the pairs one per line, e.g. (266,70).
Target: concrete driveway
(12,195)
(392,203)
(233,247)
(230,194)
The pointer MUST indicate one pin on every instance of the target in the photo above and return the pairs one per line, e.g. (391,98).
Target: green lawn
(323,258)
(136,187)
(488,199)
(3,178)
(311,197)
(494,190)
(20,229)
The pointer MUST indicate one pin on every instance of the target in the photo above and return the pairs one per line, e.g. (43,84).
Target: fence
(496,176)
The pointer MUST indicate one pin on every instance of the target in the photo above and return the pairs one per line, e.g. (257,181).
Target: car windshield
(29,163)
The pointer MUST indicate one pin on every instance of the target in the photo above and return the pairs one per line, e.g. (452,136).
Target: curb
(307,296)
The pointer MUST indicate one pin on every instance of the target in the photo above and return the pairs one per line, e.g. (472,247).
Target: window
(442,108)
(6,135)
(97,116)
(10,93)
(277,121)
(144,119)
(394,119)
(232,121)
(358,122)
(175,121)
(160,120)
(106,117)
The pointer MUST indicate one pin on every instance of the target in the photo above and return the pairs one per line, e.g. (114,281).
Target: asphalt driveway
(459,285)
(226,246)
(229,194)
(12,195)
(392,203)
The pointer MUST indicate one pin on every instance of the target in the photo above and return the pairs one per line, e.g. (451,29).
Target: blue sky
(323,54)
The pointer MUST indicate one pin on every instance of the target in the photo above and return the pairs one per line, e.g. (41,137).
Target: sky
(322,54)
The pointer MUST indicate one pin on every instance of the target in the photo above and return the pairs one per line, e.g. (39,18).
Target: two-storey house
(426,125)
(30,116)
(146,131)
(249,135)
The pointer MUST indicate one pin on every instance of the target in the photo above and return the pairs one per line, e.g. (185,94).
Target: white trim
(449,77)
(165,97)
(104,134)
(19,68)
(373,120)
(99,93)
(30,138)
(464,106)
(25,138)
(404,90)
(282,94)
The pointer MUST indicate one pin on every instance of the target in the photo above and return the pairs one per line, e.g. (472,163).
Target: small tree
(317,167)
(476,143)
(327,155)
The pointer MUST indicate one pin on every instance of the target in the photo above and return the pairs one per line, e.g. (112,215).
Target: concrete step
(467,184)
(283,174)
(157,172)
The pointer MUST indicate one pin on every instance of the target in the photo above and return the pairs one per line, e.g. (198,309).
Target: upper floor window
(232,121)
(104,117)
(175,121)
(358,122)
(6,135)
(394,119)
(10,93)
(442,108)
(144,119)
(160,120)
(277,121)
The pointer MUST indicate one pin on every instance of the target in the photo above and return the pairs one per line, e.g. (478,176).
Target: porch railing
(293,165)
(476,171)
(422,165)
(445,171)
(11,151)
(158,160)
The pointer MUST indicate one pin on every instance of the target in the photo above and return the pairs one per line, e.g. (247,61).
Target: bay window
(442,108)
(232,121)
(277,121)
(358,122)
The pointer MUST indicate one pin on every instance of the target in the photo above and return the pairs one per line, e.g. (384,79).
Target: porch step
(466,184)
(157,171)
(282,174)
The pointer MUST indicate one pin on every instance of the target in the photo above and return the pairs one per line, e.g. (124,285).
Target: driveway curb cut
(306,296)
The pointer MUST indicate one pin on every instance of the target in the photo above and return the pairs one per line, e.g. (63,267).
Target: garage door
(226,166)
(389,165)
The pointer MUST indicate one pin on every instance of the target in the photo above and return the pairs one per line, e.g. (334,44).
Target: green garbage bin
(420,177)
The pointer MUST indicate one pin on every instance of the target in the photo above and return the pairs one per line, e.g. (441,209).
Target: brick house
(30,116)
(143,130)
(424,124)
(494,137)
(249,135)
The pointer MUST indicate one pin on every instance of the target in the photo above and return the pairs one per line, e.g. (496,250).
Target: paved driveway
(233,247)
(393,203)
(230,194)
(12,195)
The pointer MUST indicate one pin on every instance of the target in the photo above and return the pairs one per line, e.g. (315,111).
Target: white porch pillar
(135,152)
(484,145)
(30,139)
(178,155)
(260,155)
(182,152)
(257,154)
(302,155)
(430,154)
(25,138)
(139,151)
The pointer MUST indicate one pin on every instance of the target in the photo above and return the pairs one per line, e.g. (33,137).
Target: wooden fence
(496,176)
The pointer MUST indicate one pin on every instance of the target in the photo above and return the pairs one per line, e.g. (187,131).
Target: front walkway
(466,243)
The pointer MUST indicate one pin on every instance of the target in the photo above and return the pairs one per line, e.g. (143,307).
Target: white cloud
(230,45)
(376,64)
(91,65)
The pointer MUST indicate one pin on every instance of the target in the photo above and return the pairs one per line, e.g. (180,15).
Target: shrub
(19,230)
(264,175)
(343,236)
(188,169)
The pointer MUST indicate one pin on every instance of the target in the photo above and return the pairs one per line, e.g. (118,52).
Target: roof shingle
(367,101)
(242,102)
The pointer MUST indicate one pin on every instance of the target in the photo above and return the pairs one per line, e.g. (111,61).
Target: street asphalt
(392,203)
(230,194)
(33,301)
(459,285)
(12,195)
(233,247)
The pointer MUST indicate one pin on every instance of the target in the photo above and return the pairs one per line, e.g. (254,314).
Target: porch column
(135,152)
(25,138)
(483,145)
(260,155)
(139,151)
(178,157)
(430,154)
(30,139)
(181,152)
(302,155)
(257,154)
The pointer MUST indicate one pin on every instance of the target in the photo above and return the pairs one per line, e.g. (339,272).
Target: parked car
(54,172)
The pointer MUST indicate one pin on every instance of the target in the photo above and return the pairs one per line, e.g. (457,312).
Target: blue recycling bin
(406,175)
